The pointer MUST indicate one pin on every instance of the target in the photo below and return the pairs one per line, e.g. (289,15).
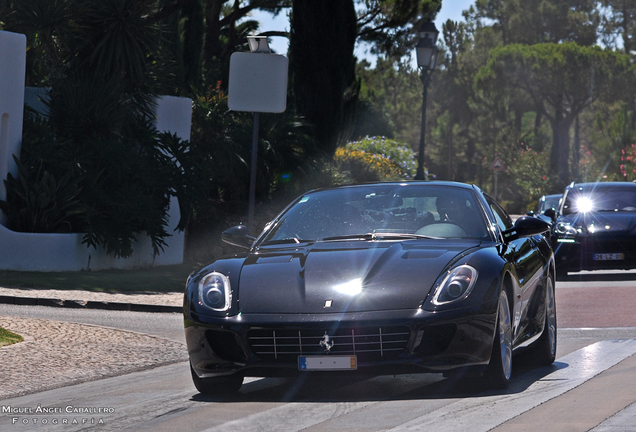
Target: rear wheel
(545,348)
(499,369)
(217,386)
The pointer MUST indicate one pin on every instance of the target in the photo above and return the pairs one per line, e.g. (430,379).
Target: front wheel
(499,369)
(218,386)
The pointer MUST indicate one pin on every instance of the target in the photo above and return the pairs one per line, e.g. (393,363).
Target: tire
(499,369)
(544,352)
(218,386)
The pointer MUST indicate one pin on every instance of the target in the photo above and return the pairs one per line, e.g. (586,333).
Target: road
(590,387)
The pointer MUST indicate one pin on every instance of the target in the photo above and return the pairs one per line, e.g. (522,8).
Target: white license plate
(609,257)
(309,363)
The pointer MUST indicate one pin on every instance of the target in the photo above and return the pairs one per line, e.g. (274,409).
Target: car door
(526,260)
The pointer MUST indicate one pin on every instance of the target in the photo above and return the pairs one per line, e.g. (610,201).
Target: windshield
(550,202)
(600,200)
(381,212)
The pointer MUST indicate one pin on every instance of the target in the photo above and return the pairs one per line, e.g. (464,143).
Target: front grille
(369,344)
(225,345)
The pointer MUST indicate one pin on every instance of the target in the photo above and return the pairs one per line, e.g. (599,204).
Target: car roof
(401,183)
(587,187)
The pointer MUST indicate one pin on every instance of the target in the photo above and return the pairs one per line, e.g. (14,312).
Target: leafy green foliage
(557,77)
(618,135)
(529,172)
(9,338)
(112,188)
(531,22)
(222,144)
(49,26)
(388,24)
(376,158)
(620,21)
(393,91)
(38,203)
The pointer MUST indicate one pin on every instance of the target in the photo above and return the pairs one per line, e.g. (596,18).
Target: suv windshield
(600,200)
(381,212)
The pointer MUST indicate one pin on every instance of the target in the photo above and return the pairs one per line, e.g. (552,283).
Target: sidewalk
(56,354)
(138,302)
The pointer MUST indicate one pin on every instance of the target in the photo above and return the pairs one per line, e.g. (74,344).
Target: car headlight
(564,228)
(215,292)
(456,285)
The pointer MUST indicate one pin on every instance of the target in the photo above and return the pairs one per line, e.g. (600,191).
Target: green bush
(111,187)
(38,203)
(531,175)
(376,158)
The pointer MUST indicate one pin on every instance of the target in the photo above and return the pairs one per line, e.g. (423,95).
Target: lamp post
(426,56)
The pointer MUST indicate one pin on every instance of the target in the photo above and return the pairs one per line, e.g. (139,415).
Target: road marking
(619,421)
(484,413)
(477,413)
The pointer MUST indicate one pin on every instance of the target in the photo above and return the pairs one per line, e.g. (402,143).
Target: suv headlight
(457,285)
(215,292)
(564,228)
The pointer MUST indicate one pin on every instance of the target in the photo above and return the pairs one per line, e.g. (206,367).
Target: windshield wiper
(351,237)
(378,236)
(389,236)
(293,240)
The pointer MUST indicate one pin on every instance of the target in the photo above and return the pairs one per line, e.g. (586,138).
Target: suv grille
(370,344)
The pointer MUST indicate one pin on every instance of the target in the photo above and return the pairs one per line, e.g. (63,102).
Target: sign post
(497,166)
(258,83)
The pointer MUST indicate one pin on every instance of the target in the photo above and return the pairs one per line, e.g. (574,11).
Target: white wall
(65,252)
(12,70)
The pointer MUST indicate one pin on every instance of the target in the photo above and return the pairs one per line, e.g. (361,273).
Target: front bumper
(388,342)
(596,253)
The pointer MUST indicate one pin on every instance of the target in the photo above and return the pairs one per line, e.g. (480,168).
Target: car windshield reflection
(383,212)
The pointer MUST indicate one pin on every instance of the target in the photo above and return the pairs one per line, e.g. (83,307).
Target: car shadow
(333,389)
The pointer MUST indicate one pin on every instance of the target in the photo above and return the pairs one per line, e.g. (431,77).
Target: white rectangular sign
(258,82)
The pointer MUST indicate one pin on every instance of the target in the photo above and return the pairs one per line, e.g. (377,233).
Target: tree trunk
(576,148)
(322,67)
(559,157)
(212,47)
(450,148)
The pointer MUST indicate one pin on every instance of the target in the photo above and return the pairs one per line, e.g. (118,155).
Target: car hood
(604,222)
(332,277)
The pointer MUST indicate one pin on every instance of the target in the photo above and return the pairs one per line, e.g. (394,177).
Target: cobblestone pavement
(56,354)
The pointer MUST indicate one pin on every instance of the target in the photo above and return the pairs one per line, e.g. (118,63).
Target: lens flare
(584,205)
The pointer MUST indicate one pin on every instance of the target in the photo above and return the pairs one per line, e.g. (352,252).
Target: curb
(84,304)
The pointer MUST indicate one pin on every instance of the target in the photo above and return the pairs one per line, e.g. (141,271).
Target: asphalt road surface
(590,386)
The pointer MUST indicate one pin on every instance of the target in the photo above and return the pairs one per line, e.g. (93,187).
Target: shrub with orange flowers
(376,159)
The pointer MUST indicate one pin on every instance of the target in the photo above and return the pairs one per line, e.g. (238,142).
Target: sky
(451,9)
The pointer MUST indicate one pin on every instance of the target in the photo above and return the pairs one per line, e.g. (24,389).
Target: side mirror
(238,236)
(551,213)
(526,226)
(530,213)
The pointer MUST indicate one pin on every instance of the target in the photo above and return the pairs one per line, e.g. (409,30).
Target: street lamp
(426,56)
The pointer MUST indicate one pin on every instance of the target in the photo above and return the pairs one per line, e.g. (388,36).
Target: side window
(503,220)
